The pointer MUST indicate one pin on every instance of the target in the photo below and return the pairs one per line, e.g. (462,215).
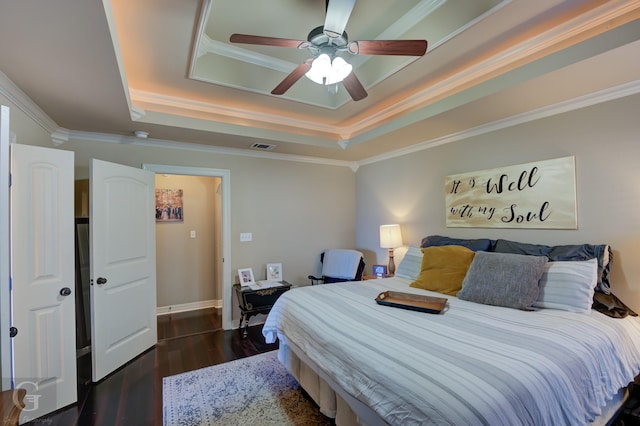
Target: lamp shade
(390,236)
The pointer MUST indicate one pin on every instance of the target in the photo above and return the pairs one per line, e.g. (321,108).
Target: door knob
(13,332)
(101,280)
(65,291)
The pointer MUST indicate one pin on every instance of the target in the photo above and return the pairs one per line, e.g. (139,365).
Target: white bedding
(474,364)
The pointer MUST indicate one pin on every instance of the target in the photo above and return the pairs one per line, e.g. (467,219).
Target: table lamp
(390,238)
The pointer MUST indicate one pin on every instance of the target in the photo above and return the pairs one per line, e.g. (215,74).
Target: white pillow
(568,285)
(410,264)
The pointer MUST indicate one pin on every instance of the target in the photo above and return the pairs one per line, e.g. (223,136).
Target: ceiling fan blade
(354,87)
(338,12)
(290,80)
(268,41)
(389,47)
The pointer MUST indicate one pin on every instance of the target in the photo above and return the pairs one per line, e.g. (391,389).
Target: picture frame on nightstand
(245,275)
(274,271)
(379,270)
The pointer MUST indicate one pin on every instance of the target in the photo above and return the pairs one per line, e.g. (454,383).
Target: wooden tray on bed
(414,302)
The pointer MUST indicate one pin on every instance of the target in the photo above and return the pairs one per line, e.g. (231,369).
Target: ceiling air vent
(263,146)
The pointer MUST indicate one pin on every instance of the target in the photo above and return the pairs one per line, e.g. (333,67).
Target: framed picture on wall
(169,206)
(246,277)
(274,271)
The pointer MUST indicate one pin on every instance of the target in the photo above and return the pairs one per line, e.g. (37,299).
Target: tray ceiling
(104,69)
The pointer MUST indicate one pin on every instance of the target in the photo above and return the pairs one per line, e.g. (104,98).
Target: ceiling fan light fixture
(340,69)
(324,43)
(327,72)
(320,68)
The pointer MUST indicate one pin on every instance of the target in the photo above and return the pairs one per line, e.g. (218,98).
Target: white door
(123,265)
(5,306)
(42,255)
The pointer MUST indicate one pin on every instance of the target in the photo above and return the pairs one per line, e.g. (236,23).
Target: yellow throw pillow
(443,268)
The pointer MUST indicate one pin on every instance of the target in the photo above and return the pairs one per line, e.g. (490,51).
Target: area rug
(256,390)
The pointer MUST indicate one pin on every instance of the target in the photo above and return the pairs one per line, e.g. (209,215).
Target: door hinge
(10,180)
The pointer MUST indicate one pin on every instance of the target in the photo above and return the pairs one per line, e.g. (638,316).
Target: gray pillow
(565,253)
(472,244)
(503,279)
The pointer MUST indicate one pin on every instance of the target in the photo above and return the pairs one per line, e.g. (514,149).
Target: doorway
(188,254)
(223,255)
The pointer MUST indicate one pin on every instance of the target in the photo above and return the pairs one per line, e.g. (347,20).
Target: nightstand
(253,302)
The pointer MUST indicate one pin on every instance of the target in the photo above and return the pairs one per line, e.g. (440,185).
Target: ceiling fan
(325,42)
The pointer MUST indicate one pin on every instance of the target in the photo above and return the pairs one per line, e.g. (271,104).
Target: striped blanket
(473,364)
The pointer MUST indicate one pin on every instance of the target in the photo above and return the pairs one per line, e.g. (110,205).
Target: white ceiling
(103,68)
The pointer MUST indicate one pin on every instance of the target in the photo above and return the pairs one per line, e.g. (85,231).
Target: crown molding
(610,15)
(601,96)
(60,136)
(24,103)
(137,114)
(246,55)
(185,146)
(612,93)
(238,114)
(344,144)
(410,19)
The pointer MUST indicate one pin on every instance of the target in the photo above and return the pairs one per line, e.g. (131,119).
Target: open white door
(42,255)
(123,265)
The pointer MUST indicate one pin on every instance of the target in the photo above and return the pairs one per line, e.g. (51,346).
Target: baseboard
(185,307)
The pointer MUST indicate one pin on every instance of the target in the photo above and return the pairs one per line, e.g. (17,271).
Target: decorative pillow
(473,244)
(565,253)
(409,266)
(443,268)
(568,285)
(503,279)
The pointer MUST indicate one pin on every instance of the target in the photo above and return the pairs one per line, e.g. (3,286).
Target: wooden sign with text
(541,194)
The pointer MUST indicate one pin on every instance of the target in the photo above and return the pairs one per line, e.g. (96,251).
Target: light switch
(245,236)
(192,234)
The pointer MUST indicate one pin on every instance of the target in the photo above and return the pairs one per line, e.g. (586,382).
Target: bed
(475,363)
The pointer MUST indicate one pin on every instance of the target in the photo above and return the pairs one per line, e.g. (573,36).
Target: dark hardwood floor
(133,394)
(187,323)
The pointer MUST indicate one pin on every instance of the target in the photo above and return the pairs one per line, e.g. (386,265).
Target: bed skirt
(335,403)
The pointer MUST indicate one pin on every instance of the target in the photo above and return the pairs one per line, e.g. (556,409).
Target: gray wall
(294,210)
(605,140)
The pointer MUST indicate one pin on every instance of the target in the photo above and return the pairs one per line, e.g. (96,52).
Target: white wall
(605,140)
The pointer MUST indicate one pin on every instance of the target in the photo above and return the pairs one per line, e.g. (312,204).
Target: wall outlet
(245,236)
(192,234)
